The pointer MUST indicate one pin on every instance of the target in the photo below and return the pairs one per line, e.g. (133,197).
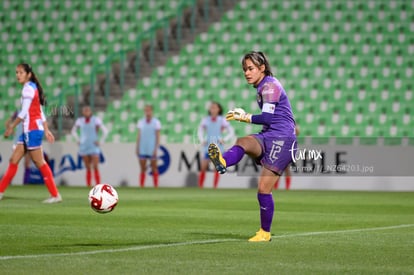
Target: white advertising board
(323,167)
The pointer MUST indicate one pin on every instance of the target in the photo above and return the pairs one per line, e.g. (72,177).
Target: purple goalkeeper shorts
(277,151)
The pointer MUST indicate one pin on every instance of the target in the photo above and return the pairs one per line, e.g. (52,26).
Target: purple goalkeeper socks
(233,155)
(267,208)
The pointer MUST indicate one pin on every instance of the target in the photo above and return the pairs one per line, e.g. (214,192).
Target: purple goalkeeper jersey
(272,98)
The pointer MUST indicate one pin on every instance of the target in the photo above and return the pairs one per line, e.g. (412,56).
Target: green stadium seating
(339,61)
(63,39)
(336,60)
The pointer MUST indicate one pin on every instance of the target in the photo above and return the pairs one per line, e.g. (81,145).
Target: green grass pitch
(192,231)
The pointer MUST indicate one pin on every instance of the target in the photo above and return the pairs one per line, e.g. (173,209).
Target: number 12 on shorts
(276,149)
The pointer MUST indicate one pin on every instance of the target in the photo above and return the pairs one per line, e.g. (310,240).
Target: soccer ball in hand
(103,198)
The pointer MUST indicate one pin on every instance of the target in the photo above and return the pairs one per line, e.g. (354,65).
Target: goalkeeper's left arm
(264,118)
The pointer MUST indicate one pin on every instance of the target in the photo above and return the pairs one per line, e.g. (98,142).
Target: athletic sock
(216,179)
(288,181)
(8,176)
(49,180)
(88,177)
(267,208)
(142,179)
(201,178)
(155,178)
(233,155)
(97,176)
(276,186)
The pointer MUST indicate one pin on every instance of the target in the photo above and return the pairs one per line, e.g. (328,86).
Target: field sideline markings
(115,250)
(304,234)
(145,247)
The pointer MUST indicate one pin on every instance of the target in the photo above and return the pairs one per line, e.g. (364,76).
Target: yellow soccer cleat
(216,158)
(261,236)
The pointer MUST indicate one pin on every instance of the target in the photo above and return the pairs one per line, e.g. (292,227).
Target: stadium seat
(338,61)
(66,38)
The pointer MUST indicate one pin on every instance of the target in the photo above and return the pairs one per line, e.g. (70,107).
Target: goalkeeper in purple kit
(273,147)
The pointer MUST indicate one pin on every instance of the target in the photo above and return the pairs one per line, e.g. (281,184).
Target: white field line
(154,246)
(342,231)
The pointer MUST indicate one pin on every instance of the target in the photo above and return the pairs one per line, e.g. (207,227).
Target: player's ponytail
(42,96)
(28,69)
(258,59)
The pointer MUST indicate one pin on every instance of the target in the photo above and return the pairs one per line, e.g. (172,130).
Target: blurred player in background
(89,126)
(272,147)
(148,142)
(287,172)
(34,127)
(211,130)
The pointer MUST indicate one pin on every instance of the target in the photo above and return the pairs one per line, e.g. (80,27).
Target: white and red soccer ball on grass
(103,198)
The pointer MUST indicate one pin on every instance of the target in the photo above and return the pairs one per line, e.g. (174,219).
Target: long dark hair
(28,69)
(220,113)
(258,59)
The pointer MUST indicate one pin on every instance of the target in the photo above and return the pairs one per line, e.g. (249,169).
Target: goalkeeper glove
(240,115)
